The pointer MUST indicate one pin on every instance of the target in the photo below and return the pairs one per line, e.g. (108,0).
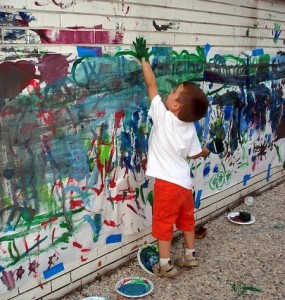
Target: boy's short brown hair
(193,101)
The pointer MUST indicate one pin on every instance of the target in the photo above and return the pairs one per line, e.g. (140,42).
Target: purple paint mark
(107,37)
(14,77)
(246,179)
(49,36)
(84,37)
(268,173)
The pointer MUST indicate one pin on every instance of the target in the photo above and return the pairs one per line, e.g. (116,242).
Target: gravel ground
(236,261)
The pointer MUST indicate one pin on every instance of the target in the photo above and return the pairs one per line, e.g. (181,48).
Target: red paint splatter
(99,263)
(52,235)
(48,117)
(53,67)
(34,87)
(100,114)
(58,184)
(132,208)
(26,243)
(128,194)
(85,250)
(76,203)
(83,259)
(113,182)
(135,247)
(77,245)
(119,115)
(110,223)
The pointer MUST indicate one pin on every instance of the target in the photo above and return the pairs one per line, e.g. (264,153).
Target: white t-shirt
(171,141)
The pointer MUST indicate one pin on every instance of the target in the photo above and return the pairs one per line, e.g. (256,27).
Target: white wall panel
(65,88)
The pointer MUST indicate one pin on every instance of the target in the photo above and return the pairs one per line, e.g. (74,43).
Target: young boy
(173,139)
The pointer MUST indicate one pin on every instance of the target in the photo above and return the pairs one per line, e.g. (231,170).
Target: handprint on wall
(276,32)
(120,10)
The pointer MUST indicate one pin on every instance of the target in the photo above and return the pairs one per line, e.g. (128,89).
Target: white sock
(189,251)
(164,261)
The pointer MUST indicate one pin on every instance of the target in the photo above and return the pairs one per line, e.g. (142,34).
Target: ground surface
(236,261)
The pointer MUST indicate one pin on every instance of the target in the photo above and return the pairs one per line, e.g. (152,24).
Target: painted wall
(74,200)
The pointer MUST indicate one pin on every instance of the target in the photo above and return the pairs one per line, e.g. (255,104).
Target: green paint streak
(150,198)
(244,157)
(141,194)
(91,164)
(7,201)
(48,199)
(104,153)
(37,221)
(10,250)
(25,254)
(50,246)
(195,167)
(216,91)
(63,239)
(87,144)
(63,225)
(278,153)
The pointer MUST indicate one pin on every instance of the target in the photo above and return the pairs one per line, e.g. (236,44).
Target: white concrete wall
(63,221)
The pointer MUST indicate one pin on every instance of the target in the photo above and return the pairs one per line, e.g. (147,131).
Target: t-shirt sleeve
(157,109)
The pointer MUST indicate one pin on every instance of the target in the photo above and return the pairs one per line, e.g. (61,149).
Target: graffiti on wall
(74,136)
(74,132)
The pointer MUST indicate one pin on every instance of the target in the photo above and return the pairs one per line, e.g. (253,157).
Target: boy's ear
(176,106)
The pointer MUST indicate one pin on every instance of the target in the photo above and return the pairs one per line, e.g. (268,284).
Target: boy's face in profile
(172,103)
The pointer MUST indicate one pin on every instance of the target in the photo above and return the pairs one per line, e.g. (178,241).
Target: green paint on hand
(141,49)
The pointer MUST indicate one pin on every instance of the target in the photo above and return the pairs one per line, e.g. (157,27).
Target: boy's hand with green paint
(141,49)
(216,146)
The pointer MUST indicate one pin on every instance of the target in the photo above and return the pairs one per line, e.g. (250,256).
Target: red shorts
(173,204)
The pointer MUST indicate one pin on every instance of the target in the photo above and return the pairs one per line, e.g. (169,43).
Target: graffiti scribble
(170,25)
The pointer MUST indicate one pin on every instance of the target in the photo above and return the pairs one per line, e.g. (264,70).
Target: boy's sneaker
(189,260)
(168,270)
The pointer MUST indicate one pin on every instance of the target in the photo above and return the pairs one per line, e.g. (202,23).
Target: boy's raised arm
(143,55)
(149,78)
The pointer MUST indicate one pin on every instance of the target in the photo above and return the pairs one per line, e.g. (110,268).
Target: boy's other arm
(205,152)
(149,78)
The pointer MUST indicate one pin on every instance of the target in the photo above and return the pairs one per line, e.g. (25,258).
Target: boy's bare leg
(164,249)
(189,238)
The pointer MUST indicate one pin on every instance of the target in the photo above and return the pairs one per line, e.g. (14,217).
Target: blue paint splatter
(246,179)
(207,169)
(114,238)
